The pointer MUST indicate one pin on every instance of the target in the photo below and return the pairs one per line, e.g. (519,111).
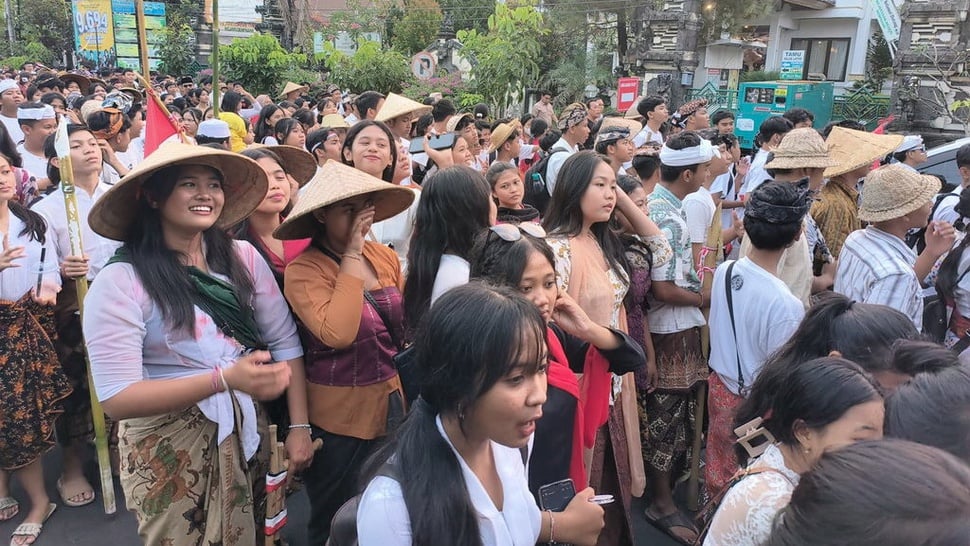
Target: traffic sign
(423,65)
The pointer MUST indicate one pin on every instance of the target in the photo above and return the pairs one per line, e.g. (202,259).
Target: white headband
(7,85)
(46,112)
(694,155)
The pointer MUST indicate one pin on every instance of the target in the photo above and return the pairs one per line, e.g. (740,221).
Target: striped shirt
(876,267)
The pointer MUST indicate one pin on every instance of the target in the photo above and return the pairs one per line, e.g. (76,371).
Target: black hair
(845,124)
(861,332)
(388,174)
(454,208)
(368,100)
(316,138)
(771,235)
(729,141)
(263,130)
(963,156)
(34,225)
(203,140)
(421,126)
(455,371)
(649,104)
(502,262)
(775,125)
(480,111)
(241,230)
(305,117)
(284,127)
(814,393)
(680,141)
(722,115)
(912,357)
(949,273)
(50,152)
(628,183)
(564,216)
(231,101)
(442,110)
(495,171)
(524,118)
(9,148)
(195,94)
(879,493)
(933,409)
(99,120)
(549,139)
(284,104)
(799,115)
(646,165)
(539,127)
(49,98)
(196,114)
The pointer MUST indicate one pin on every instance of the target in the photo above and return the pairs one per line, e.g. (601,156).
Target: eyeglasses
(513,232)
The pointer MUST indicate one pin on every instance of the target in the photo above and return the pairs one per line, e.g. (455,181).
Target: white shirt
(766,314)
(382,516)
(13,127)
(396,231)
(700,208)
(961,294)
(556,160)
(876,267)
(945,209)
(757,175)
(452,271)
(36,165)
(727,185)
(17,281)
(133,343)
(97,248)
(647,135)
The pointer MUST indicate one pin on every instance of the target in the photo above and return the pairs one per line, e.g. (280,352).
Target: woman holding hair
(457,464)
(516,256)
(191,329)
(265,128)
(799,411)
(455,208)
(345,290)
(290,132)
(592,268)
(31,375)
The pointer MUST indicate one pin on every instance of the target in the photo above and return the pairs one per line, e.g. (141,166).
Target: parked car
(942,160)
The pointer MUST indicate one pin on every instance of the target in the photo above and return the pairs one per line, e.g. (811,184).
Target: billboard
(94,32)
(126,32)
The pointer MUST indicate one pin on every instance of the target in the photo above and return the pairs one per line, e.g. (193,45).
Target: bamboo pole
(150,92)
(142,38)
(215,58)
(63,147)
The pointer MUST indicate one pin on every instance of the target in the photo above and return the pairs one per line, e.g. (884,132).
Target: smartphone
(556,495)
(436,142)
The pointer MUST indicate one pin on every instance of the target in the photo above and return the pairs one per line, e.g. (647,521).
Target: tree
(177,50)
(469,14)
(419,26)
(46,23)
(504,59)
(369,68)
(257,61)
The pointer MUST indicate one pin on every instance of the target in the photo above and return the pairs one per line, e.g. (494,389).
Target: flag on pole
(159,126)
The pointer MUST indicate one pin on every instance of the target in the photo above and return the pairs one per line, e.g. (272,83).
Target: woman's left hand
(48,294)
(299,450)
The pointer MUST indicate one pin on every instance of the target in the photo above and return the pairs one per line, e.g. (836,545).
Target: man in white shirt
(613,141)
(770,133)
(653,109)
(912,152)
(10,99)
(38,121)
(575,130)
(945,209)
(760,316)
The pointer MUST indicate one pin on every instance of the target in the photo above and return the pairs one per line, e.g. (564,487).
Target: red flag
(158,127)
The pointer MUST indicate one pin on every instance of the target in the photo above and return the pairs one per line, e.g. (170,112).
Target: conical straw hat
(852,149)
(244,185)
(291,87)
(395,105)
(893,191)
(335,182)
(83,82)
(801,148)
(297,162)
(631,112)
(611,122)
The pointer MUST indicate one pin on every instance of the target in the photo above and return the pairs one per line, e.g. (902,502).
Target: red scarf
(563,378)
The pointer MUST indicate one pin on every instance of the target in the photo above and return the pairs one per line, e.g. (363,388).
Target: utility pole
(8,15)
(142,38)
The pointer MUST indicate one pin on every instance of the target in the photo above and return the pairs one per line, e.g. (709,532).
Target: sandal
(669,522)
(7,503)
(31,530)
(76,494)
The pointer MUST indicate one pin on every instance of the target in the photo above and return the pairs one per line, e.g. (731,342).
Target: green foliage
(258,61)
(369,68)
(469,14)
(730,16)
(358,19)
(177,50)
(45,22)
(419,26)
(573,74)
(504,59)
(449,85)
(879,64)
(760,76)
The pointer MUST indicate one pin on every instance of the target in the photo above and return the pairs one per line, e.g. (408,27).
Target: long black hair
(284,127)
(9,148)
(503,262)
(564,216)
(879,493)
(160,268)
(456,369)
(34,224)
(933,409)
(388,174)
(231,101)
(262,129)
(454,208)
(814,392)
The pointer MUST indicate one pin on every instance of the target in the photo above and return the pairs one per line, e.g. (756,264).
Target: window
(828,56)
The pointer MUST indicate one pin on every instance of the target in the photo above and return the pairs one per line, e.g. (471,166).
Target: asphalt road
(90,526)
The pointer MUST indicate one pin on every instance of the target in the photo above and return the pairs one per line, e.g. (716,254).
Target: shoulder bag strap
(728,289)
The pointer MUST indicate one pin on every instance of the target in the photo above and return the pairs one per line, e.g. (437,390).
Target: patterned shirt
(667,211)
(876,267)
(837,214)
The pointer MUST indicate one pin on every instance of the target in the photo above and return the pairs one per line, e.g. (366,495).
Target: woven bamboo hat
(631,112)
(291,87)
(395,105)
(82,81)
(244,185)
(852,149)
(893,191)
(453,121)
(334,121)
(502,133)
(333,183)
(297,162)
(616,122)
(801,148)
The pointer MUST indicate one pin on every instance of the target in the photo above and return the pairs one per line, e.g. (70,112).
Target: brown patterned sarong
(33,384)
(680,363)
(185,489)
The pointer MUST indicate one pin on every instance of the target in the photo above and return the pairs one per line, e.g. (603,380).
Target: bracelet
(222,377)
(552,527)
(301,425)
(701,303)
(214,380)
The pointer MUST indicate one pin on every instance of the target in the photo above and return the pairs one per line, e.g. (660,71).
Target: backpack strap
(728,289)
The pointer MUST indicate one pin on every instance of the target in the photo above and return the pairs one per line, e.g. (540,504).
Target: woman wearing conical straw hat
(191,329)
(346,292)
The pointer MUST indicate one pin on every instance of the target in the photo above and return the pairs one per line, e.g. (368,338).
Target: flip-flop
(67,498)
(31,529)
(7,503)
(669,522)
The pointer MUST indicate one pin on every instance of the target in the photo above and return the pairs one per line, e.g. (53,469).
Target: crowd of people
(480,330)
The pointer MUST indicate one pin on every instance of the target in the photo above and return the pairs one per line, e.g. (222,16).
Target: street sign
(423,65)
(627,91)
(792,64)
